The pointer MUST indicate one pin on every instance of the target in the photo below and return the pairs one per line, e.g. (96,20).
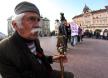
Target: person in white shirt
(74,33)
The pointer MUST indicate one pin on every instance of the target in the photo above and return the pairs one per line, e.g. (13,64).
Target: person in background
(63,32)
(21,55)
(79,34)
(74,33)
(68,30)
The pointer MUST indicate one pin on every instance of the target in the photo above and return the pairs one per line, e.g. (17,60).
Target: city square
(37,36)
(88,59)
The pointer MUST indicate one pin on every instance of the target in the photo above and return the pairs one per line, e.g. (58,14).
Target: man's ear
(14,24)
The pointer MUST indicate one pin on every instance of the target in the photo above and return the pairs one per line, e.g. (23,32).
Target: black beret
(26,7)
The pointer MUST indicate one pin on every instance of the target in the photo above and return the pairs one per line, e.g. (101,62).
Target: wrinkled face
(29,26)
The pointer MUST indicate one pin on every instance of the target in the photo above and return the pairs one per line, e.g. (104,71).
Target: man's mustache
(35,30)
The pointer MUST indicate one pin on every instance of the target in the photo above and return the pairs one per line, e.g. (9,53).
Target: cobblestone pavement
(88,59)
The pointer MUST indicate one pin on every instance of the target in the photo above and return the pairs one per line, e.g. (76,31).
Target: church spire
(86,9)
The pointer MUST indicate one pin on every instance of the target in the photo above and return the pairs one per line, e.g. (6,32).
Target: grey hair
(18,19)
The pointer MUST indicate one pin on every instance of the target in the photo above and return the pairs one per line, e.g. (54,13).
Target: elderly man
(21,55)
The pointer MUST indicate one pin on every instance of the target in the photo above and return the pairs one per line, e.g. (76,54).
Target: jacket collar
(19,41)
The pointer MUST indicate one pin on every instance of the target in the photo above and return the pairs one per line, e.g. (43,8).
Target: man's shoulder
(4,43)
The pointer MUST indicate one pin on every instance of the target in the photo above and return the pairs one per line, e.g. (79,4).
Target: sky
(50,9)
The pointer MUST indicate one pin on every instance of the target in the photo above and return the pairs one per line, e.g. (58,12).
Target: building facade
(93,20)
(9,24)
(45,27)
(57,24)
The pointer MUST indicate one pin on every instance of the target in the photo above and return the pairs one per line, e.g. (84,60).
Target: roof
(93,12)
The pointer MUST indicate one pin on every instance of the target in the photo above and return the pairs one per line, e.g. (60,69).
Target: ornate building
(57,24)
(45,26)
(10,29)
(93,20)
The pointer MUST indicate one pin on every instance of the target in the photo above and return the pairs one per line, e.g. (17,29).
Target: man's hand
(57,58)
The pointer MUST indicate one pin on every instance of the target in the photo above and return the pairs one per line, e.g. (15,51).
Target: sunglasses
(33,18)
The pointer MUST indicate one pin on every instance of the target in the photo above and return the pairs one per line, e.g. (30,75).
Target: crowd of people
(71,31)
(98,34)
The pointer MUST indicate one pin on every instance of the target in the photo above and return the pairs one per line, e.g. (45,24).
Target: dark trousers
(65,43)
(56,74)
(78,38)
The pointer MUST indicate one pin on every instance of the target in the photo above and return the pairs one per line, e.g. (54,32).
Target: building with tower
(93,20)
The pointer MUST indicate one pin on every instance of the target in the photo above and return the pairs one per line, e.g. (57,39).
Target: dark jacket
(16,60)
(62,30)
(68,30)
